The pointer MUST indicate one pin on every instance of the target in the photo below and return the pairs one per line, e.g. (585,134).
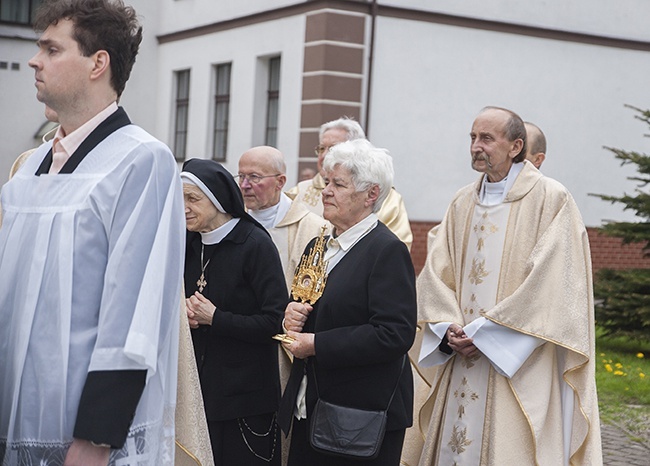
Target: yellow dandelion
(640,355)
(618,372)
(602,355)
(642,375)
(618,365)
(608,368)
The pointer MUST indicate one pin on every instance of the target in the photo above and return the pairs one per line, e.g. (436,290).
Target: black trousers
(241,442)
(302,454)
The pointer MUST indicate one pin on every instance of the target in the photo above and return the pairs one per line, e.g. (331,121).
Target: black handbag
(348,432)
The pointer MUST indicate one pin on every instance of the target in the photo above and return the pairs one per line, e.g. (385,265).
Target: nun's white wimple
(191,178)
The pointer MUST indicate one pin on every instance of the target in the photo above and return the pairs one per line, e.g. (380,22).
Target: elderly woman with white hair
(235,292)
(350,347)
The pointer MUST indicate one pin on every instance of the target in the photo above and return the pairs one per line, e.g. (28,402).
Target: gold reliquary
(310,277)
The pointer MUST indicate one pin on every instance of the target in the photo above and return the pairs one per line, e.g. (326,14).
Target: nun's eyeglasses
(253,179)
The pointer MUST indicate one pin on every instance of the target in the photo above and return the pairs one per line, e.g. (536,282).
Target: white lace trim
(146,445)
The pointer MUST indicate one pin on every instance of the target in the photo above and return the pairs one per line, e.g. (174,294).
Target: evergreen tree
(625,294)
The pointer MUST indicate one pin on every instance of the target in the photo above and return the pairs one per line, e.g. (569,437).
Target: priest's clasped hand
(460,342)
(199,310)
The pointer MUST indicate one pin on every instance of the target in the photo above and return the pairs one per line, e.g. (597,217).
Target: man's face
(265,193)
(61,70)
(492,152)
(330,138)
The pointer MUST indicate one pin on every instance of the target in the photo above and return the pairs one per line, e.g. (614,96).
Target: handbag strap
(390,401)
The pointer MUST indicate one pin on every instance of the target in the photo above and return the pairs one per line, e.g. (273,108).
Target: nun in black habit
(235,302)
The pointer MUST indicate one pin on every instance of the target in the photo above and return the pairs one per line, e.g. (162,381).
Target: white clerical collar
(273,215)
(215,236)
(495,193)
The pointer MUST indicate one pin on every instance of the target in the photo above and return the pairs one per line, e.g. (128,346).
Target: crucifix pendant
(202,282)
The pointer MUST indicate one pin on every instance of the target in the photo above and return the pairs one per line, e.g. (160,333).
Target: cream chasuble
(537,401)
(463,423)
(291,233)
(192,437)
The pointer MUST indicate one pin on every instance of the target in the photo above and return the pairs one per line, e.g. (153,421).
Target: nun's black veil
(222,185)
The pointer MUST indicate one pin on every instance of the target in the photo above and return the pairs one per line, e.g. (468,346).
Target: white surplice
(91,271)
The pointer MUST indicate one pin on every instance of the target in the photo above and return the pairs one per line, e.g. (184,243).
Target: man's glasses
(253,179)
(321,149)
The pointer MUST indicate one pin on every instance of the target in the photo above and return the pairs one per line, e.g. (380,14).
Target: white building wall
(139,96)
(21,114)
(245,47)
(178,15)
(623,18)
(430,81)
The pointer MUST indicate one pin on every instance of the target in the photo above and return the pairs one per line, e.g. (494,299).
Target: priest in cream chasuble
(309,192)
(508,275)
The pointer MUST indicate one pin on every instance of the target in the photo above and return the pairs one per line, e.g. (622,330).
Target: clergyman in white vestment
(392,212)
(506,316)
(262,176)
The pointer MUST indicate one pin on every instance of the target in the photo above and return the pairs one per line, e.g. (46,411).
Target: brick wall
(606,252)
(611,253)
(419,246)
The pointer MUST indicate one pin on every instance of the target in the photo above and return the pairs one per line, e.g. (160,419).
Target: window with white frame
(221,112)
(18,11)
(182,113)
(272,102)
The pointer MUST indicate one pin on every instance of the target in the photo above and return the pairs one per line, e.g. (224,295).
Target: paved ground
(620,450)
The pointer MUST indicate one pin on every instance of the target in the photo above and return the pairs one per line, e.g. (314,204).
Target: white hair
(368,166)
(351,127)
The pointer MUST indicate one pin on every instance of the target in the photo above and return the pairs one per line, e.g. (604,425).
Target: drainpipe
(373,18)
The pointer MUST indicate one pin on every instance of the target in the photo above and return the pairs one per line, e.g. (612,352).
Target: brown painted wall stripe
(329,93)
(307,143)
(314,115)
(331,87)
(335,26)
(333,58)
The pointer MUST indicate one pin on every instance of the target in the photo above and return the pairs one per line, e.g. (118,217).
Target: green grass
(623,381)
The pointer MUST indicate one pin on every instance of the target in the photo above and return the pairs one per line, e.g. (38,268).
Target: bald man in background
(536,144)
(262,176)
